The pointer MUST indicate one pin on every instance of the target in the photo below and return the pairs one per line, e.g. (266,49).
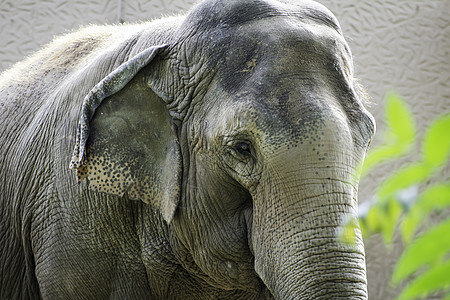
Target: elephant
(211,155)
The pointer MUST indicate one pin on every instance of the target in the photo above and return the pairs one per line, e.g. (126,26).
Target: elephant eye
(243,148)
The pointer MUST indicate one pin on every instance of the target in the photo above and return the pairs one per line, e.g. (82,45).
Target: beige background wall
(400,44)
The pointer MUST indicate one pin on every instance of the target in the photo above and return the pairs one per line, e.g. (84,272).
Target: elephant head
(244,129)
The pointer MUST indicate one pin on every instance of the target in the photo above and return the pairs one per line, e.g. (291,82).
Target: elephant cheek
(294,238)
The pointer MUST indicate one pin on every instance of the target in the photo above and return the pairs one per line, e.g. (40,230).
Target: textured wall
(400,44)
(25,25)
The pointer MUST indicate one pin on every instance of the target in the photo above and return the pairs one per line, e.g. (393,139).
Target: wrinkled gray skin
(239,126)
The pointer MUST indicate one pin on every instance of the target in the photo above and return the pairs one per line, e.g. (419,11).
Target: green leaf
(348,231)
(394,210)
(434,197)
(400,134)
(374,219)
(363,227)
(435,279)
(436,143)
(399,119)
(429,248)
(410,223)
(429,252)
(379,155)
(380,218)
(403,178)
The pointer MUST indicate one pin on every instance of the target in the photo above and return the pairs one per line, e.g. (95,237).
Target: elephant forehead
(235,36)
(285,83)
(268,53)
(214,14)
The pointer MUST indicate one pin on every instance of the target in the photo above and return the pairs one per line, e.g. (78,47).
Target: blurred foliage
(406,202)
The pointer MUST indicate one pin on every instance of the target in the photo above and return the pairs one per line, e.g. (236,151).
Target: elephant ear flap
(126,141)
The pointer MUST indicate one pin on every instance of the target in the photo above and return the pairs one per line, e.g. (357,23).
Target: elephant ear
(126,142)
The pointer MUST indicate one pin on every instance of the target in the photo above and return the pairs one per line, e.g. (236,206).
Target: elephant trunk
(296,217)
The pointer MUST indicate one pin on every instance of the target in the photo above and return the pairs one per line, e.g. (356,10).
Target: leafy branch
(404,194)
